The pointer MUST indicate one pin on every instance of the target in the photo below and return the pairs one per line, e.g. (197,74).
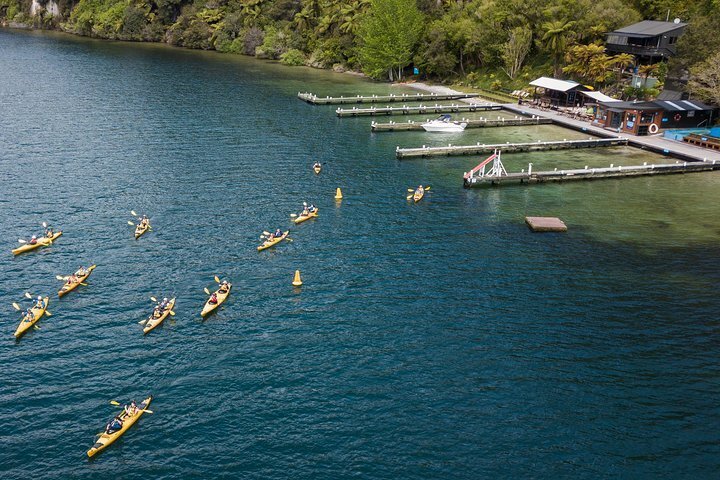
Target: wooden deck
(592,173)
(480,149)
(411,125)
(415,110)
(404,97)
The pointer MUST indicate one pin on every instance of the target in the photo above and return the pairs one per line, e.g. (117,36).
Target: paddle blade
(114,402)
(142,322)
(147,411)
(20,240)
(44,224)
(266,233)
(27,295)
(217,279)
(427,188)
(411,190)
(131,223)
(36,327)
(83,284)
(293,215)
(172,314)
(59,277)
(16,306)
(48,313)
(409,197)
(132,212)
(304,204)
(153,299)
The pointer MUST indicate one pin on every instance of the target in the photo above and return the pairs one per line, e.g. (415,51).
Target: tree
(705,80)
(389,34)
(555,40)
(515,50)
(590,63)
(621,62)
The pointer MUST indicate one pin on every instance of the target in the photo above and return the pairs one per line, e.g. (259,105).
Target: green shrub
(293,57)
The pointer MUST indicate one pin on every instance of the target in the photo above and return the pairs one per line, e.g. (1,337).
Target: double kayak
(106,439)
(41,242)
(154,321)
(69,287)
(273,242)
(27,323)
(221,297)
(302,218)
(140,229)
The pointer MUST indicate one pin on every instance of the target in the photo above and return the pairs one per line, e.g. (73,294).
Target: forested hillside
(502,40)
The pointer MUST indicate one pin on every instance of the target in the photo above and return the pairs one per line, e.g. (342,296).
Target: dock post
(529,168)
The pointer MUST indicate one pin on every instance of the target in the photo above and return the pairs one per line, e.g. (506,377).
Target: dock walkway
(479,149)
(657,144)
(591,173)
(408,110)
(411,125)
(404,97)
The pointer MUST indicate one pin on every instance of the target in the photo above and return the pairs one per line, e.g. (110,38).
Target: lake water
(432,340)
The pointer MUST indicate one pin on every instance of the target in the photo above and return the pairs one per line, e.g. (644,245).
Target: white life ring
(653,128)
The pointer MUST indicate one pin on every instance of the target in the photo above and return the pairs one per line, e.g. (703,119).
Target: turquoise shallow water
(437,340)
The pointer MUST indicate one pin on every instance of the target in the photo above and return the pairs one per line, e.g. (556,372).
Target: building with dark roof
(650,41)
(643,118)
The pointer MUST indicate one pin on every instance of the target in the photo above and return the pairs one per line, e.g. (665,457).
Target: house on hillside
(650,41)
(643,118)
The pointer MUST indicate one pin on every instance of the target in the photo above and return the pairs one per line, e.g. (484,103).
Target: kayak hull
(41,242)
(139,231)
(26,325)
(154,322)
(211,307)
(418,196)
(67,288)
(317,170)
(106,439)
(273,242)
(301,218)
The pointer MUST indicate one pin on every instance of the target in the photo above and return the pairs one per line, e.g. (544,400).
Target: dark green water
(437,340)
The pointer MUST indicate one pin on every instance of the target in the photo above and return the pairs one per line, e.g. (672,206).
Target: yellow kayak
(41,242)
(26,323)
(273,242)
(417,196)
(302,218)
(140,229)
(69,287)
(106,439)
(221,297)
(154,322)
(317,169)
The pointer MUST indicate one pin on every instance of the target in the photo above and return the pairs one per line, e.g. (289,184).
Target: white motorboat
(444,124)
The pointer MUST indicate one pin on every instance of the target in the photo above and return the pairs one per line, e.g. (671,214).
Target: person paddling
(224,287)
(278,233)
(114,425)
(213,298)
(33,240)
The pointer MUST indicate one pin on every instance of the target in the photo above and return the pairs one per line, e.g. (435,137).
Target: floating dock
(411,125)
(471,181)
(406,110)
(480,149)
(546,224)
(404,97)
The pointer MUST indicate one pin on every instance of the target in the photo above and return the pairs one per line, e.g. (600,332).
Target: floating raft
(404,97)
(591,173)
(480,149)
(479,123)
(546,224)
(406,110)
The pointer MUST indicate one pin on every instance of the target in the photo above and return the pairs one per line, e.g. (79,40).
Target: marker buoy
(338,194)
(296,281)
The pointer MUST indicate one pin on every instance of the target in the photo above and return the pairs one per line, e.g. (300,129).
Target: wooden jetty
(478,123)
(479,149)
(408,110)
(404,97)
(532,177)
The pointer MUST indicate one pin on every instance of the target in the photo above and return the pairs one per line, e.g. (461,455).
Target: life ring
(677,117)
(653,128)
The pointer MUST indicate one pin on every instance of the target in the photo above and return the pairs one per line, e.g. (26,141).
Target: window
(691,114)
(647,117)
(672,40)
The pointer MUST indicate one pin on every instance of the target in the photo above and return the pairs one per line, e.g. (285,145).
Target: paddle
(61,278)
(216,279)
(44,224)
(16,306)
(153,299)
(172,314)
(132,212)
(48,314)
(27,295)
(118,404)
(132,224)
(410,196)
(265,233)
(142,322)
(293,215)
(207,291)
(83,284)
(411,190)
(21,240)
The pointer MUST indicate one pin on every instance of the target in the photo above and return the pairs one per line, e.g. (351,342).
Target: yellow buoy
(296,281)
(338,194)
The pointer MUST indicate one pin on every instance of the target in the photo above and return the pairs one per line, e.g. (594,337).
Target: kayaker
(81,272)
(312,208)
(39,302)
(49,232)
(72,279)
(114,425)
(33,240)
(278,233)
(317,165)
(130,409)
(305,212)
(224,287)
(420,190)
(213,298)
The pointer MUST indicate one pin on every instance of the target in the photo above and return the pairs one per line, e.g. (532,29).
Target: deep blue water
(437,340)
